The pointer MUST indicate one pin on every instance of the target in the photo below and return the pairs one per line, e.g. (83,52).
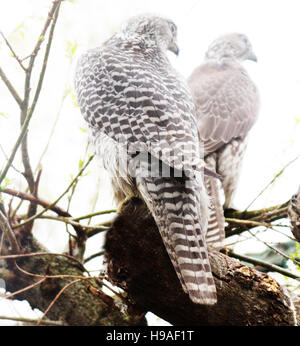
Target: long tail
(216,222)
(178,205)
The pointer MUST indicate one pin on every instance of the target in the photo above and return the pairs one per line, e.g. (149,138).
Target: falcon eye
(245,39)
(173,28)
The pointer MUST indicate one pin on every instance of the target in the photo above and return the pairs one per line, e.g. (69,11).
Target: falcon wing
(129,98)
(226,103)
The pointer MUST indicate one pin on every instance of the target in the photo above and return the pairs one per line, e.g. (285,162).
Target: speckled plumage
(294,215)
(139,108)
(227,104)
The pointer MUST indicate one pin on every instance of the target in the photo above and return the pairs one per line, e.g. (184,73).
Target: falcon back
(137,106)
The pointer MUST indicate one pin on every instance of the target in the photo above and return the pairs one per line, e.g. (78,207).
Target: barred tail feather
(175,206)
(216,222)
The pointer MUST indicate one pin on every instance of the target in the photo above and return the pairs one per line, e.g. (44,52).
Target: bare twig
(57,296)
(88,216)
(41,37)
(12,51)
(282,254)
(25,114)
(70,221)
(247,223)
(32,320)
(273,180)
(25,109)
(97,254)
(254,218)
(35,254)
(10,87)
(53,14)
(60,197)
(80,241)
(6,157)
(5,227)
(269,266)
(37,200)
(24,289)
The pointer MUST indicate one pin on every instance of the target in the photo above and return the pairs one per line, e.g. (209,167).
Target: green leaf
(82,129)
(4,115)
(6,183)
(71,49)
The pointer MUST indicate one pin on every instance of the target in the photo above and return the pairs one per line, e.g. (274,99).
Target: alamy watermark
(152,158)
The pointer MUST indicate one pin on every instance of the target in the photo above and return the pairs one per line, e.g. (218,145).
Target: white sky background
(273,29)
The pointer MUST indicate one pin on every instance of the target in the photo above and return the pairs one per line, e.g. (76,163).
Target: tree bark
(138,263)
(82,303)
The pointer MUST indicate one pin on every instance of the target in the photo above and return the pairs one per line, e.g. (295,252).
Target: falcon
(227,105)
(294,215)
(142,120)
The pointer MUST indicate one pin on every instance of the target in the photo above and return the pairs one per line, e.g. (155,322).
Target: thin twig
(59,276)
(87,216)
(273,180)
(248,223)
(35,254)
(70,221)
(5,227)
(282,254)
(95,198)
(254,218)
(37,200)
(12,51)
(26,116)
(56,297)
(266,265)
(10,87)
(32,320)
(53,14)
(6,157)
(59,198)
(25,109)
(80,241)
(24,289)
(98,254)
(41,37)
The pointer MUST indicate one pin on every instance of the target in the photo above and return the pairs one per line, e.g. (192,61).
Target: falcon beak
(174,48)
(252,57)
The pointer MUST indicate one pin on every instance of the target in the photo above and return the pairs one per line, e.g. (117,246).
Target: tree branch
(49,206)
(245,296)
(255,261)
(79,305)
(254,218)
(25,110)
(37,200)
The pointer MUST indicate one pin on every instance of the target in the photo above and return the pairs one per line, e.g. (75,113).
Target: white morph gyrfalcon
(142,118)
(227,105)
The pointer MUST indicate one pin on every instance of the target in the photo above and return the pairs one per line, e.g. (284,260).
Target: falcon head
(233,46)
(153,31)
